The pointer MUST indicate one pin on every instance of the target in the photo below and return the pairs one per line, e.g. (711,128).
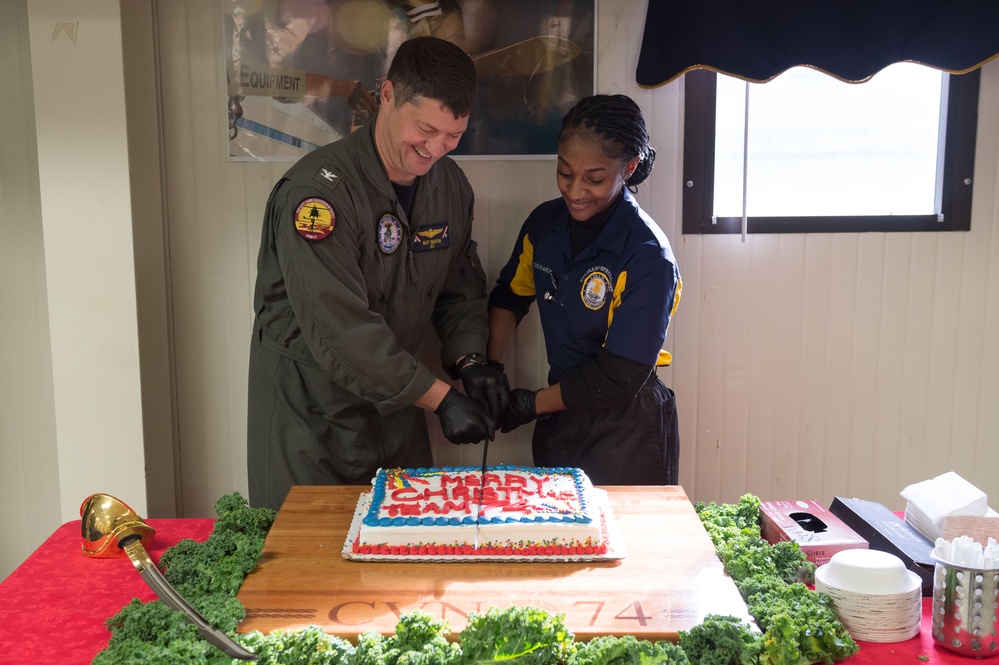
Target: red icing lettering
(406,494)
(402,509)
(451,480)
(516,479)
(430,494)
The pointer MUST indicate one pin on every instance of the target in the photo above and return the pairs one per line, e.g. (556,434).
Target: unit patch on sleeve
(431,236)
(389,233)
(595,287)
(314,218)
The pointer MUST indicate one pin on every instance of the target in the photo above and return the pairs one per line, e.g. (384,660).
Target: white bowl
(866,572)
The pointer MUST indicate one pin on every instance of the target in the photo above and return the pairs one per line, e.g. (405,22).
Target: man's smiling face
(411,137)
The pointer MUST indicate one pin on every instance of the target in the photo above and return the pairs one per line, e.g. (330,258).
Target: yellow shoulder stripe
(523,280)
(665,357)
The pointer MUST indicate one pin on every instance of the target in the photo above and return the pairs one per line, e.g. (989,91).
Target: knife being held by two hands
(482,490)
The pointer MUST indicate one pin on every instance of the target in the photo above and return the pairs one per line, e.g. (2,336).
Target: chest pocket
(431,269)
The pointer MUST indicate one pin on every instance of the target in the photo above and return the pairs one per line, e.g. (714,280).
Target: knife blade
(482,490)
(137,553)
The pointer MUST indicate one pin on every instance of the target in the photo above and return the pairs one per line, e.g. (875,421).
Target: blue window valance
(852,40)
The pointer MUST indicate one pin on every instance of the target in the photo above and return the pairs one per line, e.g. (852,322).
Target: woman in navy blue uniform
(606,285)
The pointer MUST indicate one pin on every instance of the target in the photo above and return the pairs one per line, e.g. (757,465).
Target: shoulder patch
(314,218)
(328,177)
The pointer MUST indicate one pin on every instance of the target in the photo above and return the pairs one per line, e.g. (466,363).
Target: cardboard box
(818,532)
(887,532)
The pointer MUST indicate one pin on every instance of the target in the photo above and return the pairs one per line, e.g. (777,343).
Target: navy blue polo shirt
(618,293)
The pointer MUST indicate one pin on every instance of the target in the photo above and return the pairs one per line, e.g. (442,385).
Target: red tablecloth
(53,607)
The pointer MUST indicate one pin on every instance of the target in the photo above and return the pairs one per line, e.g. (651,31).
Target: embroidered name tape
(430,237)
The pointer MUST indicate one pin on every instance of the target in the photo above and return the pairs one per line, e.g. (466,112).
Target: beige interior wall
(86,220)
(29,484)
(72,422)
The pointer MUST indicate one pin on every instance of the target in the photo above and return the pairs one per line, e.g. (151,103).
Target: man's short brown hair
(435,69)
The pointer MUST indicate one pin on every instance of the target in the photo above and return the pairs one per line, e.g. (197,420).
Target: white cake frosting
(527,511)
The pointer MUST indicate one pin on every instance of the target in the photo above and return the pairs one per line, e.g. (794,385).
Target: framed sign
(303,73)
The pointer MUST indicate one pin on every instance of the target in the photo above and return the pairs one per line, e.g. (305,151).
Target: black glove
(485,382)
(522,409)
(463,420)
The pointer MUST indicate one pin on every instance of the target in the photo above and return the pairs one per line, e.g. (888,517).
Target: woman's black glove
(463,420)
(522,409)
(485,382)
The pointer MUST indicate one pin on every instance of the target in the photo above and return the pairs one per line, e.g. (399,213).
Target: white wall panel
(29,486)
(83,175)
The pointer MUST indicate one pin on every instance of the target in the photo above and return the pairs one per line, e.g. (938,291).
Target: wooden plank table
(669,580)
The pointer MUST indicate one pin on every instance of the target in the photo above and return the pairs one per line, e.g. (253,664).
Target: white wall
(74,424)
(805,366)
(29,482)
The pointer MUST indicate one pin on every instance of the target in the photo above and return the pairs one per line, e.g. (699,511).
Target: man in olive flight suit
(366,243)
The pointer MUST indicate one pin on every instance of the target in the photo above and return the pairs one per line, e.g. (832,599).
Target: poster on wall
(304,73)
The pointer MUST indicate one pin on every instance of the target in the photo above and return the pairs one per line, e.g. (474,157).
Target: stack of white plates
(876,597)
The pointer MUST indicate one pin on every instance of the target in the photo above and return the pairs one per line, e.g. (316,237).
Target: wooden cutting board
(668,581)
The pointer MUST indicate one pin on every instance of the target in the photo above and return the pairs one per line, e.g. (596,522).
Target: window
(893,154)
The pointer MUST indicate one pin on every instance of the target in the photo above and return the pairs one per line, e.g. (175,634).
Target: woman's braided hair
(617,121)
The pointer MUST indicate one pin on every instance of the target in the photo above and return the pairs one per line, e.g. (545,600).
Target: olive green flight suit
(338,319)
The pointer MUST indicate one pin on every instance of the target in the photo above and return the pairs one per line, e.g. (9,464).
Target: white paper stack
(948,506)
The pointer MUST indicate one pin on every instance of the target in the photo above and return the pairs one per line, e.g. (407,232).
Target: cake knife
(482,490)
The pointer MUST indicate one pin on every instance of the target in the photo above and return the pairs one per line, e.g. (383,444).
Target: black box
(885,531)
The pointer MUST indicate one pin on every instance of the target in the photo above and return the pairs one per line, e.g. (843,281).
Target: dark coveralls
(343,297)
(617,295)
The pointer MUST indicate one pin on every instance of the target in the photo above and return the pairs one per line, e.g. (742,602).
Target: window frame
(698,171)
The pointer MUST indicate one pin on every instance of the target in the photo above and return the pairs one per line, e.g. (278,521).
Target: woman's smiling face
(413,136)
(588,179)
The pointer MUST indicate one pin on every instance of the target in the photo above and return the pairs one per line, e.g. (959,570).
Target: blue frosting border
(371,519)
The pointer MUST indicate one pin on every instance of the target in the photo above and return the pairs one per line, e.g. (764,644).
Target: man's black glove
(522,409)
(463,420)
(485,382)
